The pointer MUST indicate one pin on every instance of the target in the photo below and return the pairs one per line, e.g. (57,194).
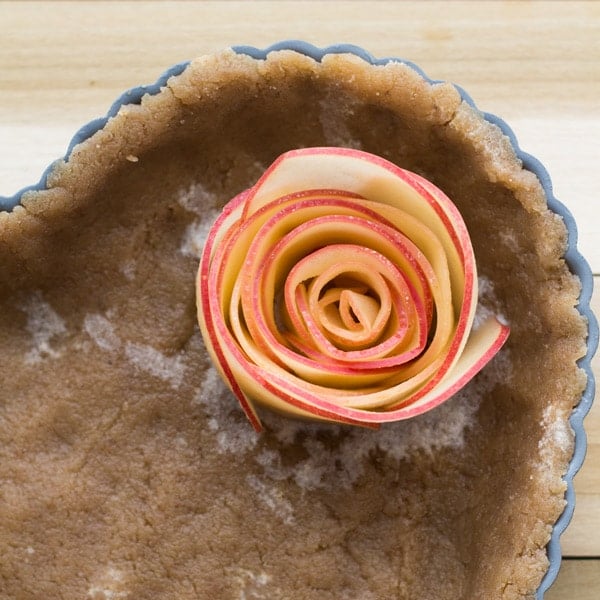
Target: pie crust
(127,468)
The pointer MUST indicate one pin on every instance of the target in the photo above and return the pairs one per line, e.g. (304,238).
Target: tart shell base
(128,470)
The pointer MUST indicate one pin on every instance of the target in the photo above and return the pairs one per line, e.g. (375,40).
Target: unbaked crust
(129,472)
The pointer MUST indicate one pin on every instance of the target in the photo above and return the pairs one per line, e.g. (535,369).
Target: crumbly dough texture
(126,468)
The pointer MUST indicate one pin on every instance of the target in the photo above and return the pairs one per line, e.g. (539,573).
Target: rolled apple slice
(343,288)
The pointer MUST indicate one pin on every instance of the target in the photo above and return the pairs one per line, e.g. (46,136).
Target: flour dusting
(102,332)
(129,269)
(488,305)
(195,235)
(233,432)
(343,464)
(557,434)
(167,368)
(145,358)
(196,198)
(251,586)
(109,586)
(270,495)
(44,325)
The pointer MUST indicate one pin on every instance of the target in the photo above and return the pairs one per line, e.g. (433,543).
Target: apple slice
(341,287)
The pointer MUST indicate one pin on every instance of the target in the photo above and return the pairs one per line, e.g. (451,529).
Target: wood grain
(577,580)
(582,538)
(536,64)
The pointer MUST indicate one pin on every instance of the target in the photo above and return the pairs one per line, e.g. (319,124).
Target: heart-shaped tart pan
(129,471)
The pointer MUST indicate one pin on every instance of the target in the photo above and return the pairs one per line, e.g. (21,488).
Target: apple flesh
(341,287)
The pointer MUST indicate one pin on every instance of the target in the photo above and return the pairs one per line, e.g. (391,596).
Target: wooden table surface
(536,64)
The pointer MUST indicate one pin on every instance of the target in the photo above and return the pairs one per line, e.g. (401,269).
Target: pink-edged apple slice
(342,288)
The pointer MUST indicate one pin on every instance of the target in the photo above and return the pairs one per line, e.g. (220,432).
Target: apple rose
(342,288)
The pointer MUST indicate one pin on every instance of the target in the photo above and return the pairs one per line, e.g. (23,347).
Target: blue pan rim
(576,262)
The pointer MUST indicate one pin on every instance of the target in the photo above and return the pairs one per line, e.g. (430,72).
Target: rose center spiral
(344,294)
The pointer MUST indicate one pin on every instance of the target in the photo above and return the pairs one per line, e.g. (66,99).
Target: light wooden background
(536,64)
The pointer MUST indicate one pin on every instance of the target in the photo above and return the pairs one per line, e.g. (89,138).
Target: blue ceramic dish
(575,260)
